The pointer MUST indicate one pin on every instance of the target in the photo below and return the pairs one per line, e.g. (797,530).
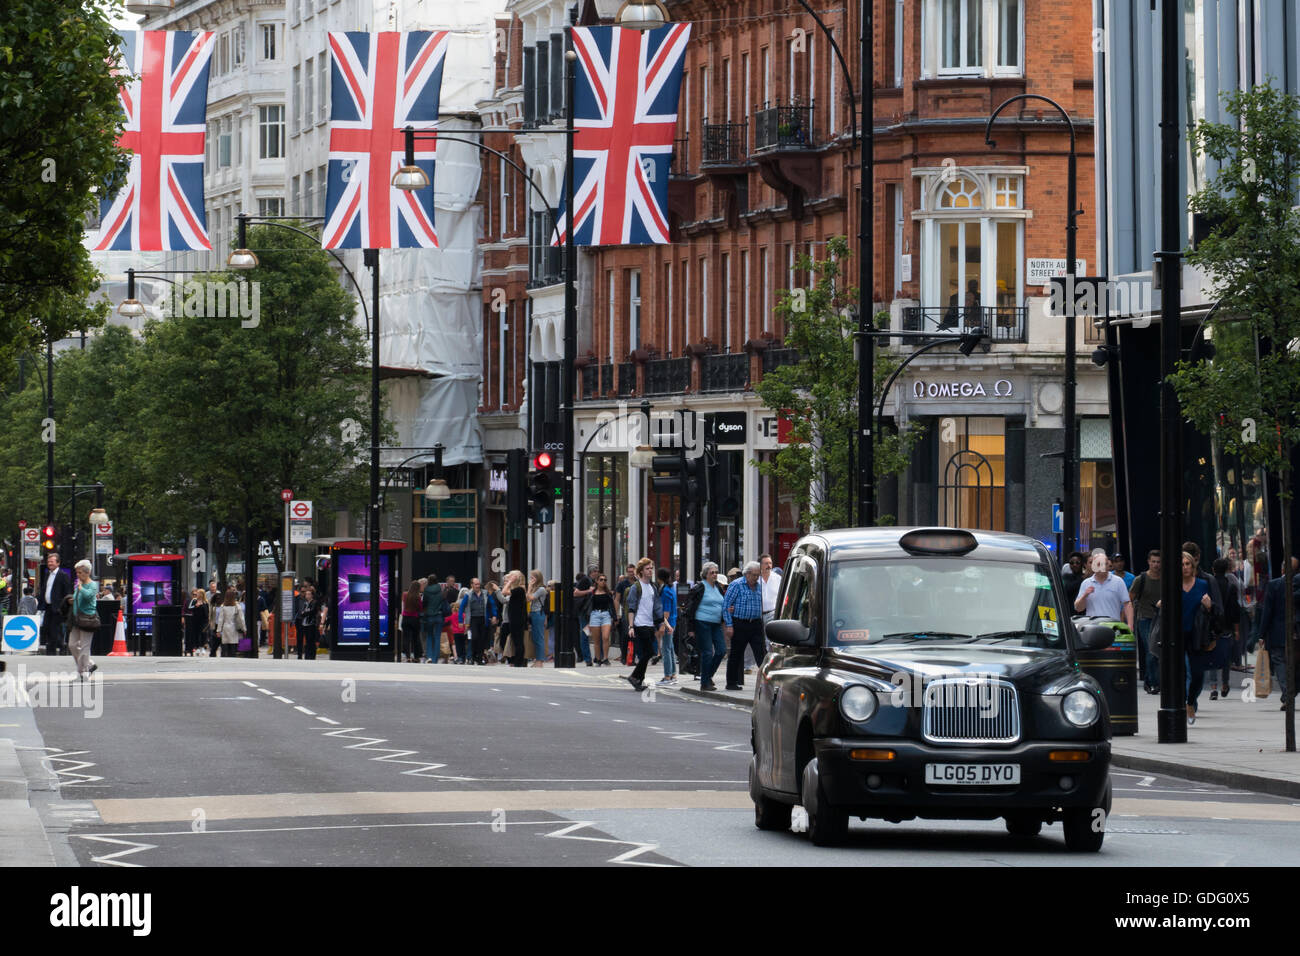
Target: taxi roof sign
(938,541)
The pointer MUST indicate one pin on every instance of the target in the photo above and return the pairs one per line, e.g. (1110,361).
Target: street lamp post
(243,258)
(1070,480)
(866,458)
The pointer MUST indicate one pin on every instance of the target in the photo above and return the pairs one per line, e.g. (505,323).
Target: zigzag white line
(77,765)
(112,859)
(391,754)
(564,833)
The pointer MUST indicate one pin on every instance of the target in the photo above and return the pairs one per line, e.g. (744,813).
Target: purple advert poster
(151,585)
(353,577)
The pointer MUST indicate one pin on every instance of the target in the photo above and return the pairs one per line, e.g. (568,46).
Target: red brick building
(765,170)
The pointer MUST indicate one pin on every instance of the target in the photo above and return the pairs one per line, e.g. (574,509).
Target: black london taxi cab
(928,672)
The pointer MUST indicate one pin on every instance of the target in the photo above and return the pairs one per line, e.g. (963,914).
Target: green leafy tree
(819,396)
(228,409)
(1247,395)
(59,121)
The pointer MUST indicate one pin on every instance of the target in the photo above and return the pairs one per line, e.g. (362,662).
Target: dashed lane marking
(283,700)
(326,720)
(263,690)
(309,713)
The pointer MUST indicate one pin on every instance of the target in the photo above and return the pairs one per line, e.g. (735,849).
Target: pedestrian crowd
(1229,611)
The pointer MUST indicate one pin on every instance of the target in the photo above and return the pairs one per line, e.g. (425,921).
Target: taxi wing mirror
(1095,637)
(786,631)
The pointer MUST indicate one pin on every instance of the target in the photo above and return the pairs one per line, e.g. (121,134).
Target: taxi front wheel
(1085,827)
(827,825)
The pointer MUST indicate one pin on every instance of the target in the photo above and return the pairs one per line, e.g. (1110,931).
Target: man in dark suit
(55,586)
(1272,628)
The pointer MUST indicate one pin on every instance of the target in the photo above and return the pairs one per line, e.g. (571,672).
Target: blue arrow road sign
(1058,522)
(20,631)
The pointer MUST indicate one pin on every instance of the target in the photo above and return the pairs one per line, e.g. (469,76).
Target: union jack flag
(382,82)
(625,118)
(160,207)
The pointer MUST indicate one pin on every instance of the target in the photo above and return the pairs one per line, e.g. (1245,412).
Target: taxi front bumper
(898,787)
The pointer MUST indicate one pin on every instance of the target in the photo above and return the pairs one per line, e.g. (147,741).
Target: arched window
(961,193)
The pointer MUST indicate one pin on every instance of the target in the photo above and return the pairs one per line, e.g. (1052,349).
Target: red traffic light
(543,460)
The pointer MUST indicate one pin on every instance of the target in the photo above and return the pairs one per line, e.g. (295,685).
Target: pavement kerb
(1236,779)
(23,841)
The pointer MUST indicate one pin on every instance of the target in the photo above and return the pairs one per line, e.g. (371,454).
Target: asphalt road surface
(246,763)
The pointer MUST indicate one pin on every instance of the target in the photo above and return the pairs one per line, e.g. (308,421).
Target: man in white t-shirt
(770,581)
(1104,594)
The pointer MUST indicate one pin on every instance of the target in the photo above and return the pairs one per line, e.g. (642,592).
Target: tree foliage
(819,396)
(59,120)
(1253,259)
(205,418)
(1247,395)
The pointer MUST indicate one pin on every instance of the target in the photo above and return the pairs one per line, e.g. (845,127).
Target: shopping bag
(1263,674)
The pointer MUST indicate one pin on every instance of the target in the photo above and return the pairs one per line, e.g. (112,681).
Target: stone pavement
(1235,742)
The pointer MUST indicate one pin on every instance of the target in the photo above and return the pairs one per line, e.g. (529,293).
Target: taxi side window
(795,606)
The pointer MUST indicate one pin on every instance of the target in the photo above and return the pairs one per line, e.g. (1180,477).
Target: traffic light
(49,540)
(516,486)
(726,490)
(541,489)
(686,478)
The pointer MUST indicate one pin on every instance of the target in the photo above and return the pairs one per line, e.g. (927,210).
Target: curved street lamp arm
(245,219)
(409,160)
(884,393)
(988,127)
(848,78)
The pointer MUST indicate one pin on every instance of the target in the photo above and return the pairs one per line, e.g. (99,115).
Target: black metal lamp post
(243,258)
(866,477)
(1070,481)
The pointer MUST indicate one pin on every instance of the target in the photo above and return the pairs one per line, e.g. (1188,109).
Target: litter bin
(168,631)
(102,643)
(1115,669)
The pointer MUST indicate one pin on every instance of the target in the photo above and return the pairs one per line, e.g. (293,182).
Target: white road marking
(619,721)
(587,712)
(263,690)
(391,754)
(328,721)
(309,713)
(227,698)
(283,700)
(248,683)
(524,697)
(65,756)
(566,833)
(552,703)
(112,859)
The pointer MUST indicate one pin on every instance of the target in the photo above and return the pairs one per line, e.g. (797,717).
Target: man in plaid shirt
(742,618)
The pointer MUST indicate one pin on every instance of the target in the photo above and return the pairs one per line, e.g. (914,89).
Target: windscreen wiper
(923,635)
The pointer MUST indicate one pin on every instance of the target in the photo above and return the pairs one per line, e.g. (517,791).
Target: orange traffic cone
(119,638)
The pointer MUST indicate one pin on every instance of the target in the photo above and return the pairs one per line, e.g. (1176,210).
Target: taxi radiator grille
(961,710)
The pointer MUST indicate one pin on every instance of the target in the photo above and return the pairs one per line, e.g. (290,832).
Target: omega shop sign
(954,388)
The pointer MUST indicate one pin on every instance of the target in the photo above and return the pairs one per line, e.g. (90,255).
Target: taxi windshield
(936,599)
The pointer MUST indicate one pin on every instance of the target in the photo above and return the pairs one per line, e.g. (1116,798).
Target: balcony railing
(724,373)
(667,376)
(784,127)
(681,154)
(597,380)
(1000,323)
(775,358)
(724,144)
(626,379)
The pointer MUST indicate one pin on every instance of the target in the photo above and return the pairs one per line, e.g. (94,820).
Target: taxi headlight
(858,703)
(1080,708)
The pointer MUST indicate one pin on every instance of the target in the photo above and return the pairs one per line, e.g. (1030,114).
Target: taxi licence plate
(973,774)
